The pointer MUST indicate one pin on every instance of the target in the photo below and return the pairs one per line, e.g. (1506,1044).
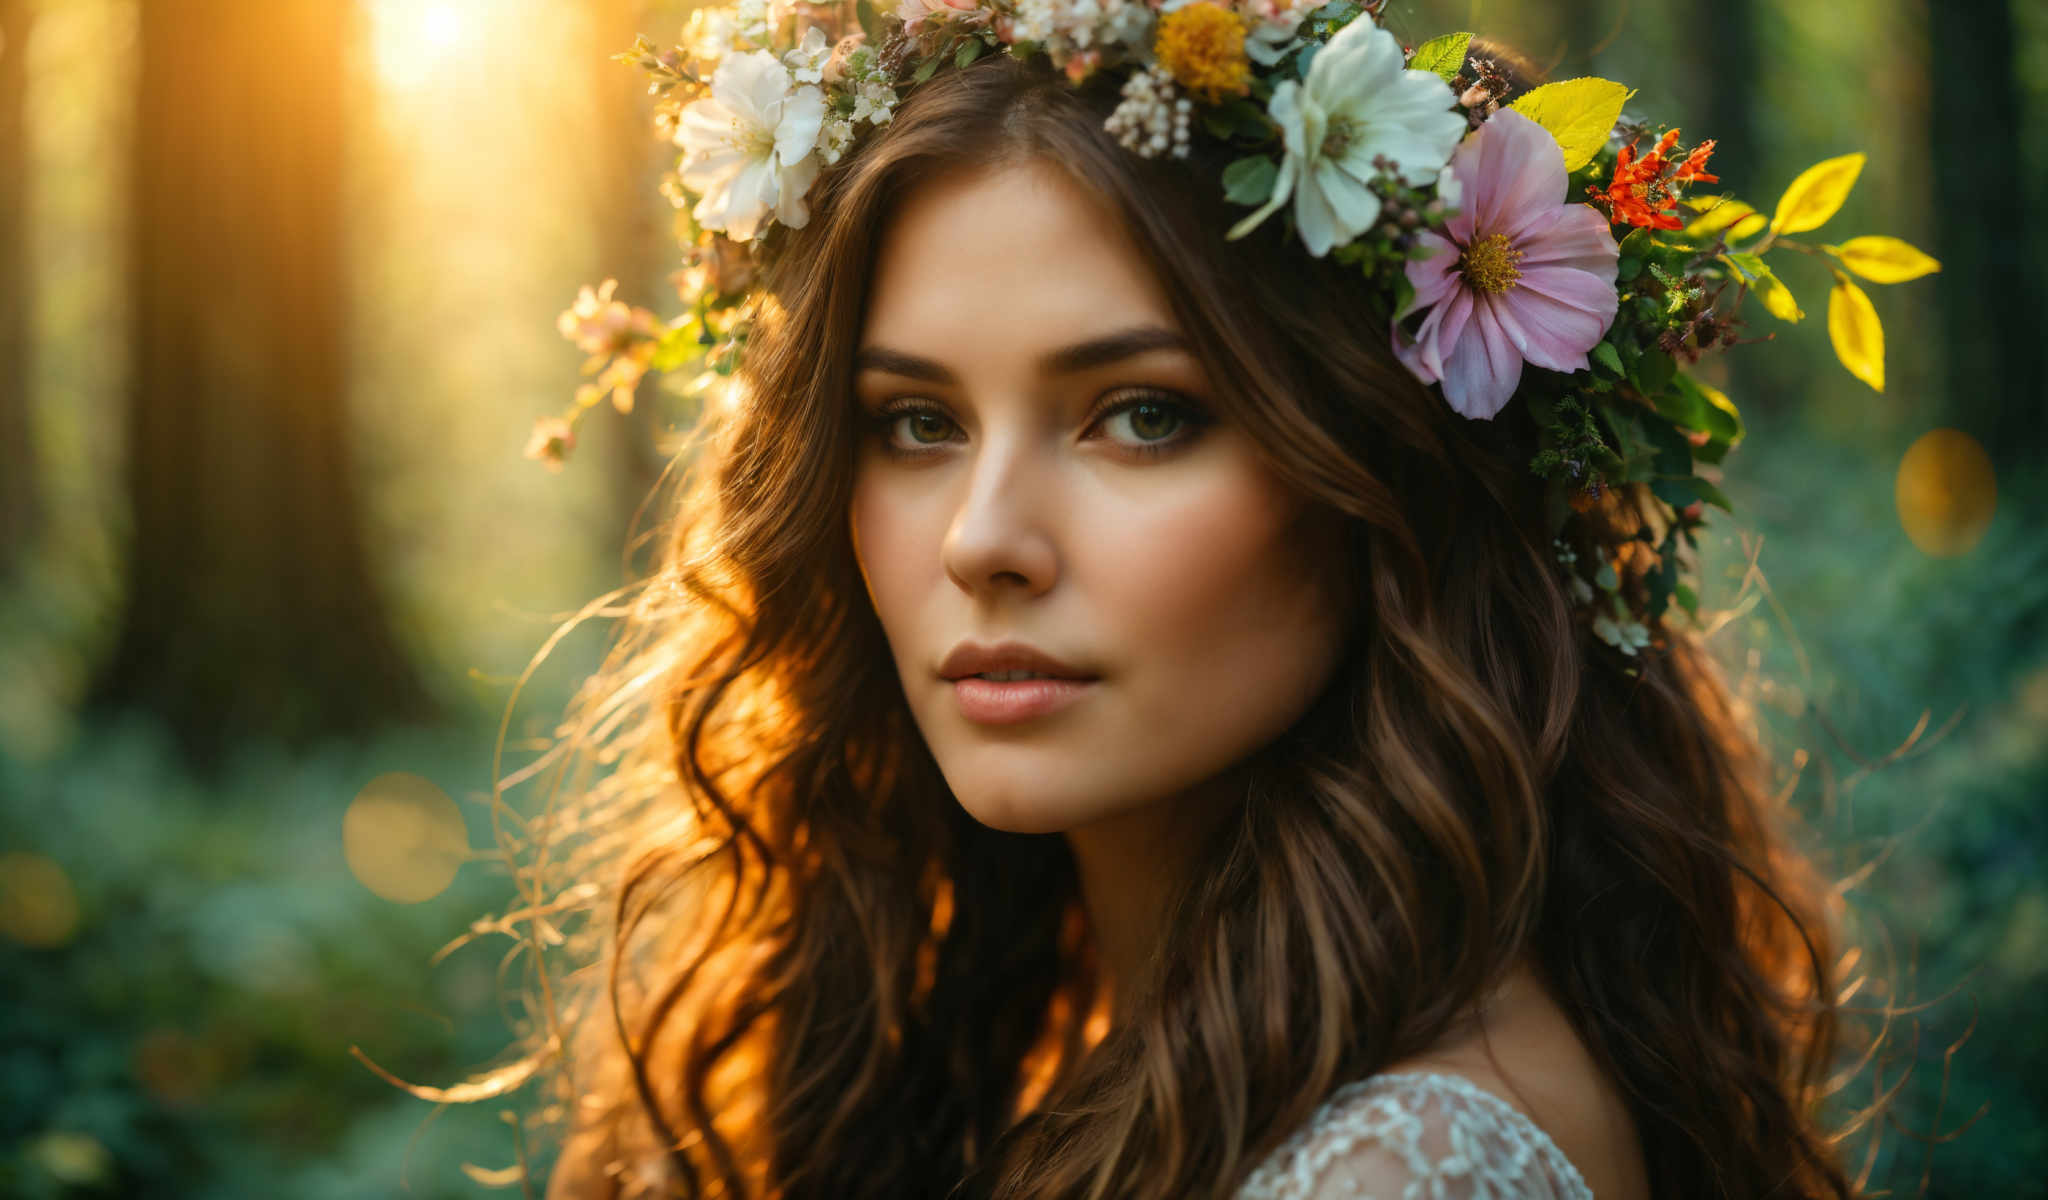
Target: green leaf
(1307,56)
(1654,372)
(1765,283)
(1250,180)
(1444,55)
(1679,491)
(870,21)
(678,345)
(1579,113)
(1713,412)
(1674,452)
(1688,600)
(969,51)
(925,70)
(1607,356)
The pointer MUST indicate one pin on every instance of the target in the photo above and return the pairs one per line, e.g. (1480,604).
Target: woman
(1336,854)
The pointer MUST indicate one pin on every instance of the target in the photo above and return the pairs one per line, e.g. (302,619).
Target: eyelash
(1193,419)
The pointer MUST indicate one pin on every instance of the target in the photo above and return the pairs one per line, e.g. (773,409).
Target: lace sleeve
(1410,1135)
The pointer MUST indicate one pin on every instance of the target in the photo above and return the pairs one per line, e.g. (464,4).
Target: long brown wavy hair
(775,957)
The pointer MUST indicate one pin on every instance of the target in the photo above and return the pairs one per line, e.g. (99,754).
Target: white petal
(1359,61)
(1353,205)
(802,116)
(1290,114)
(1448,189)
(795,180)
(744,201)
(713,171)
(1314,219)
(703,126)
(752,85)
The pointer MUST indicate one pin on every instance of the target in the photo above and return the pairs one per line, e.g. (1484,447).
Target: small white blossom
(874,101)
(1066,29)
(835,137)
(755,21)
(748,146)
(806,63)
(1273,28)
(1150,120)
(1625,636)
(1359,102)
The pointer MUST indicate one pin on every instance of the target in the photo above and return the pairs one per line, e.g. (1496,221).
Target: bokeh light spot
(1947,492)
(404,838)
(38,907)
(176,1067)
(78,1159)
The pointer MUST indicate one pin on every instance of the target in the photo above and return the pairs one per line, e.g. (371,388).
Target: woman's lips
(987,702)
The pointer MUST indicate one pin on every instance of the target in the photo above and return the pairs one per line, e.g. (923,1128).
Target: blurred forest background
(278,287)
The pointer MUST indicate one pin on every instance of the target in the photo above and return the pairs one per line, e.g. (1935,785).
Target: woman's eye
(1147,420)
(1149,423)
(927,428)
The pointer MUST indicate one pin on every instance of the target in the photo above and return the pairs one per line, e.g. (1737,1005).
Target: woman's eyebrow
(1081,356)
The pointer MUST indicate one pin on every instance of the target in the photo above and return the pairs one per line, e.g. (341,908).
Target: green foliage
(1250,180)
(192,1037)
(1443,55)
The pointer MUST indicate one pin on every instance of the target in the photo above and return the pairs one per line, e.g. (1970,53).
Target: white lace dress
(1416,1135)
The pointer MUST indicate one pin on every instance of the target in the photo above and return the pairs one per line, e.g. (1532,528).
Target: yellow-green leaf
(1777,297)
(1443,56)
(1817,194)
(1715,216)
(1854,328)
(1579,113)
(1884,259)
(1719,399)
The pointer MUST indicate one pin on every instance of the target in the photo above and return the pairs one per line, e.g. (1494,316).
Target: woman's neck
(1129,867)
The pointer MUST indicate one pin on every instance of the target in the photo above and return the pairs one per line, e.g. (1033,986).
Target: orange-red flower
(1645,190)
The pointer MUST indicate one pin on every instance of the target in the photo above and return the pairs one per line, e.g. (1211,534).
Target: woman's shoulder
(1517,1106)
(1377,1138)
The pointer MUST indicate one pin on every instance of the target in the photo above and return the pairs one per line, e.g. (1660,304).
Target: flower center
(1489,265)
(1338,136)
(752,140)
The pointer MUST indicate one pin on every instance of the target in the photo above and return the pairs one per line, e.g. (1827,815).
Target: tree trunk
(20,504)
(631,248)
(1989,288)
(251,612)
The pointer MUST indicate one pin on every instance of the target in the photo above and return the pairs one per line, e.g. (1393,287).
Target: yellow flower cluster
(1202,46)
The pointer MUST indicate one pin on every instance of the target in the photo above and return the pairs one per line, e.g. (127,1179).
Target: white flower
(748,147)
(1273,29)
(1625,636)
(874,101)
(1358,102)
(1448,189)
(807,62)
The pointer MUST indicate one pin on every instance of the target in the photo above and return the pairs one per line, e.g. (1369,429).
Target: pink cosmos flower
(914,13)
(1517,276)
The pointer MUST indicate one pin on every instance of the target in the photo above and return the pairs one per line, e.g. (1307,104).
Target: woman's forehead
(1018,247)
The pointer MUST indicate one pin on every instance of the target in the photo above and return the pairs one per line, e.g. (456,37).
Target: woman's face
(1045,462)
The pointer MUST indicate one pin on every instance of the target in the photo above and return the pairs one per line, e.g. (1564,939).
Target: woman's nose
(1001,535)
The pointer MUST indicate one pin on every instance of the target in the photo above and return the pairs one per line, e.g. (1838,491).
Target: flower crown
(1495,236)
